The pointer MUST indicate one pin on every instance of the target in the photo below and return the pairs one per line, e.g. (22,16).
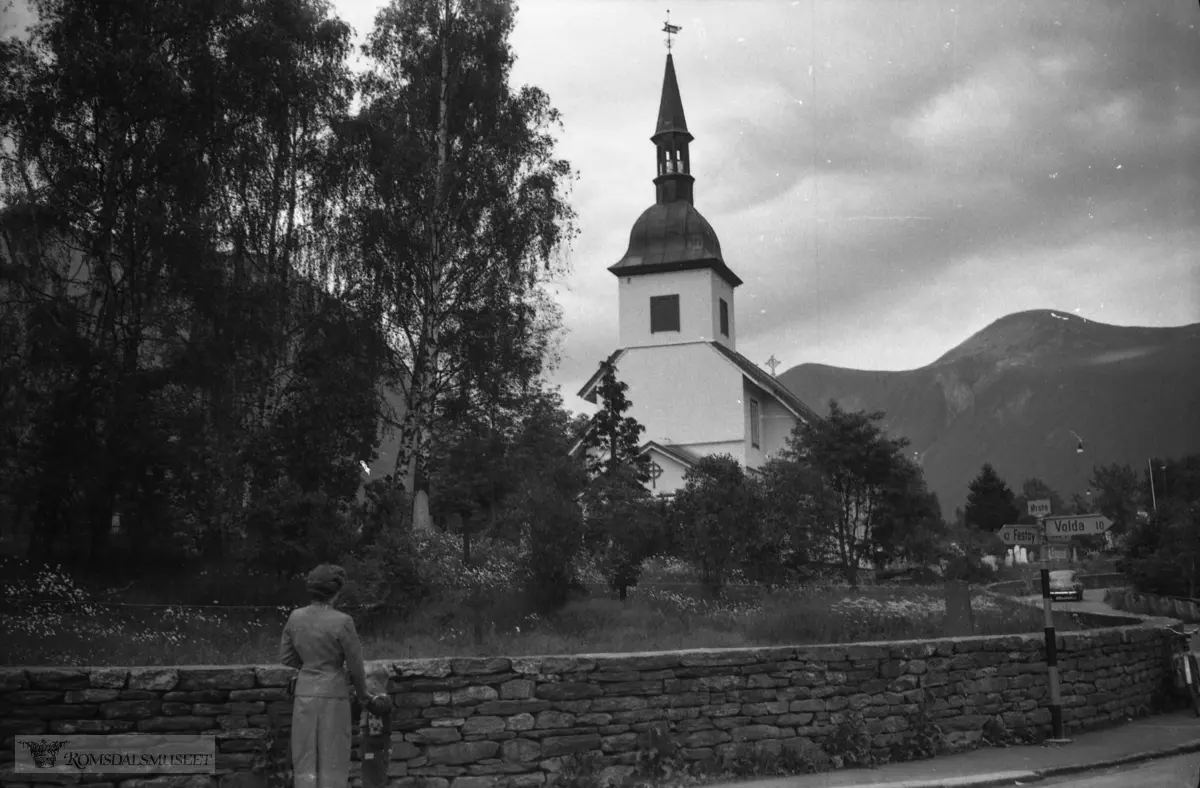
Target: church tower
(694,394)
(674,286)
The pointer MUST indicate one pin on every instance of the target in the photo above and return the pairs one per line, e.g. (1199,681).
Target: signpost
(1021,534)
(1061,529)
(1052,529)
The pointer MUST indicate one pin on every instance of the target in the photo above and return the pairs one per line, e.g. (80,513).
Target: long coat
(324,645)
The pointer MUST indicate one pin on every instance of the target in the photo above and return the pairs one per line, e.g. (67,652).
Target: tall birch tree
(456,202)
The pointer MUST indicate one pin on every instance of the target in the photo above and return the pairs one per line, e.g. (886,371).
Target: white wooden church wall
(698,309)
(683,394)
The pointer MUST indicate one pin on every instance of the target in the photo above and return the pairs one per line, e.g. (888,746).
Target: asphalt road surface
(1093,602)
(1182,771)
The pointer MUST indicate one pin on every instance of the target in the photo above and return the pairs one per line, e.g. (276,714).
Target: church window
(724,318)
(754,418)
(664,313)
(695,241)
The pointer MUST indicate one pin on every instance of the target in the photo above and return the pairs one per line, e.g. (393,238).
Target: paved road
(1182,771)
(1093,602)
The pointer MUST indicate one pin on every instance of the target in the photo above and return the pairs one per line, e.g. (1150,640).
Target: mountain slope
(1013,393)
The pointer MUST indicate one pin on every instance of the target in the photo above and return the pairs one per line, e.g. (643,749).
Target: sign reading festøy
(1021,534)
(1039,508)
(1061,528)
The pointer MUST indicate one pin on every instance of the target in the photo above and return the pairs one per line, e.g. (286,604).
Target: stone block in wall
(33,697)
(505,708)
(130,709)
(13,679)
(108,678)
(567,691)
(57,678)
(470,696)
(482,781)
(639,662)
(462,752)
(433,736)
(175,724)
(273,675)
(517,689)
(419,782)
(567,745)
(80,711)
(477,666)
(90,727)
(216,678)
(640,687)
(521,750)
(153,679)
(267,694)
(718,658)
(90,695)
(482,726)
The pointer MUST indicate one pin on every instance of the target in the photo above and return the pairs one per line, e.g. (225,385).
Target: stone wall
(1133,601)
(511,723)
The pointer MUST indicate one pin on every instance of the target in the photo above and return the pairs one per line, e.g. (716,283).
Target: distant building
(688,385)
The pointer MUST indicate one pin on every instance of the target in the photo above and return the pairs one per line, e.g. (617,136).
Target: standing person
(323,644)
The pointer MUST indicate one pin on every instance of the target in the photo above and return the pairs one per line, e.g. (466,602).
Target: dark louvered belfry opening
(664,313)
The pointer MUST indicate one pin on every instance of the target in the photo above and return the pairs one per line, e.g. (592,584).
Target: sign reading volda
(1061,528)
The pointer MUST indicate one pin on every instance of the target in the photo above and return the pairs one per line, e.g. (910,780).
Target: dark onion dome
(673,236)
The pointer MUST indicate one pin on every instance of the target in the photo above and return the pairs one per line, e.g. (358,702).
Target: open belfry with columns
(688,385)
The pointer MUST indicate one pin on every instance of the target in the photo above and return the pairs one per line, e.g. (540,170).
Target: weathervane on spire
(670,29)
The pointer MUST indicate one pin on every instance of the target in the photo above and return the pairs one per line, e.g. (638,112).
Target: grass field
(46,620)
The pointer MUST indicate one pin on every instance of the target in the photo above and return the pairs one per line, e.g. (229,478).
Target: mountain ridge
(1015,392)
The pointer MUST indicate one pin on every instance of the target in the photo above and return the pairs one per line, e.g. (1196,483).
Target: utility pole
(1153,499)
(1056,723)
(1061,528)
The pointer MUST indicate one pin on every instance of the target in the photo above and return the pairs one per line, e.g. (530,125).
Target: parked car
(1065,584)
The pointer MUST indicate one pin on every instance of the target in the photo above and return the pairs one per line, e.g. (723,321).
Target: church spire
(673,182)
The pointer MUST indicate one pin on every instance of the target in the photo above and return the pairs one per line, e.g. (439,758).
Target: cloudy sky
(886,177)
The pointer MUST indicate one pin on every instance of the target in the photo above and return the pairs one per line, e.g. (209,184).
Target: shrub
(965,569)
(384,577)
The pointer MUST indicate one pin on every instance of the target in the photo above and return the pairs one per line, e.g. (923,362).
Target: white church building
(688,385)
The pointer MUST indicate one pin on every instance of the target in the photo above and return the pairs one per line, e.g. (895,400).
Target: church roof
(767,382)
(670,106)
(685,456)
(673,236)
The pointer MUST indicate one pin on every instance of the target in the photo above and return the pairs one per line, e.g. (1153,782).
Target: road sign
(1021,534)
(1063,528)
(1039,508)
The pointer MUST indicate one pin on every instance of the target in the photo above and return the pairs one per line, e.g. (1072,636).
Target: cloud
(887,178)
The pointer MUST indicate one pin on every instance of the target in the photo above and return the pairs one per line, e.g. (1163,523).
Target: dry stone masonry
(513,723)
